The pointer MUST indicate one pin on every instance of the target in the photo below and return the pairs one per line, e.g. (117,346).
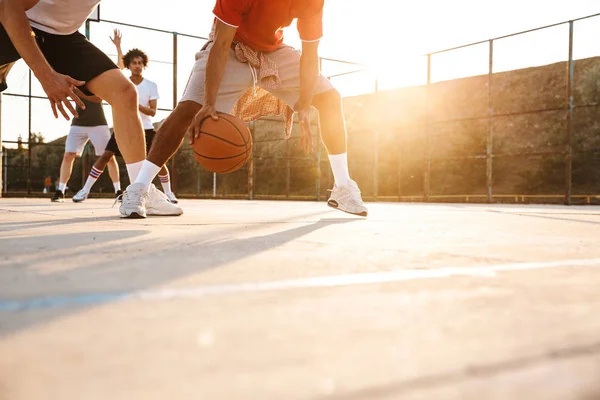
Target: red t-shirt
(260,23)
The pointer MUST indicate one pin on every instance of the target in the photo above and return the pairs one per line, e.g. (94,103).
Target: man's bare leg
(66,167)
(345,195)
(120,93)
(331,119)
(167,140)
(113,172)
(97,169)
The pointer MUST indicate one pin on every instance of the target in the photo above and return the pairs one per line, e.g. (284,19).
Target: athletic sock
(339,167)
(165,182)
(92,178)
(61,186)
(147,173)
(117,186)
(133,170)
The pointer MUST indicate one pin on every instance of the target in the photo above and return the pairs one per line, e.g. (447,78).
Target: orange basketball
(224,145)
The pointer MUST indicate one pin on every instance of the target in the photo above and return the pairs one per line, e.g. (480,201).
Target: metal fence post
(174,175)
(318,182)
(214,185)
(287,169)
(251,166)
(426,177)
(489,148)
(399,166)
(569,136)
(29,140)
(2,183)
(376,166)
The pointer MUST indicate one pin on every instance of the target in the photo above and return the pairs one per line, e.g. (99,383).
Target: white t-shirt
(147,90)
(61,17)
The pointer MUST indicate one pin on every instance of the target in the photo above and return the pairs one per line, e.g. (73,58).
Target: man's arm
(215,68)
(151,110)
(309,74)
(58,87)
(117,42)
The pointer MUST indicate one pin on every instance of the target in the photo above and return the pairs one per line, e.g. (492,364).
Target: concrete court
(293,300)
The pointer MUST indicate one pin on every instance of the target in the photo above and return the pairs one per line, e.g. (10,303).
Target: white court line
(305,283)
(359,279)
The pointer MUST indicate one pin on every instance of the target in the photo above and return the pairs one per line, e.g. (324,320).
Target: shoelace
(119,197)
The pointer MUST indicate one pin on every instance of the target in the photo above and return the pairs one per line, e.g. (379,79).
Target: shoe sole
(334,205)
(133,215)
(78,201)
(163,215)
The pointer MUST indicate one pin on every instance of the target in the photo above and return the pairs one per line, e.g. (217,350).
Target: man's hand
(59,88)
(117,38)
(306,139)
(207,111)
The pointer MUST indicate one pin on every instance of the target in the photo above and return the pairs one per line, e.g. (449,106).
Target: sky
(389,38)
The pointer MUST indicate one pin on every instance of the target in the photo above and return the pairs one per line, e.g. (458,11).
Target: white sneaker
(133,201)
(347,198)
(159,204)
(171,197)
(81,195)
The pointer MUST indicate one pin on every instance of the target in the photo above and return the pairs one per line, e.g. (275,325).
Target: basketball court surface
(294,300)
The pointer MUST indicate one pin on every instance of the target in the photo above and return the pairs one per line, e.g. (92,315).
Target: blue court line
(61,301)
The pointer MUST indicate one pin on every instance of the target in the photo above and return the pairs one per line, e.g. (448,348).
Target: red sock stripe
(164,179)
(95,173)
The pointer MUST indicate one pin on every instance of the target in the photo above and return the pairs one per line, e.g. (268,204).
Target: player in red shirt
(220,77)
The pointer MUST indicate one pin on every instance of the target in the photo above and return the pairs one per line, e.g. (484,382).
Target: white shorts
(238,78)
(79,135)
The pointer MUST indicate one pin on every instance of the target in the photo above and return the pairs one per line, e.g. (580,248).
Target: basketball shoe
(347,199)
(81,195)
(137,202)
(172,198)
(58,197)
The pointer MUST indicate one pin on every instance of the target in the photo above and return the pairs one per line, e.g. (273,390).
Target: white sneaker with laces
(133,201)
(171,197)
(347,199)
(81,195)
(158,204)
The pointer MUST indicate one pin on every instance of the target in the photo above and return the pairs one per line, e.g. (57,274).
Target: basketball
(224,145)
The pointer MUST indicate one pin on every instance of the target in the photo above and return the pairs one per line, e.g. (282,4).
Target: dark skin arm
(151,111)
(215,68)
(309,75)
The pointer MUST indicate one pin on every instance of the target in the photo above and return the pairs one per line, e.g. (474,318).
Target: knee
(126,96)
(69,156)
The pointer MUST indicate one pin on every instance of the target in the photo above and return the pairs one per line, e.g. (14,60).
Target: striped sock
(92,178)
(165,182)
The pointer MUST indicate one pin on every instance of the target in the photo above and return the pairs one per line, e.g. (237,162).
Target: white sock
(165,182)
(92,178)
(339,167)
(61,186)
(117,186)
(147,173)
(133,170)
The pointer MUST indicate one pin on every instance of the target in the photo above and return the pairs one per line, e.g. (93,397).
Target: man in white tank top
(42,32)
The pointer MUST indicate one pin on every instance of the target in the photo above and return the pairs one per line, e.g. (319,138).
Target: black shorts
(71,55)
(112,143)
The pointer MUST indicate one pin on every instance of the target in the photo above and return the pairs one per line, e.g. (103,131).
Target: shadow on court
(194,254)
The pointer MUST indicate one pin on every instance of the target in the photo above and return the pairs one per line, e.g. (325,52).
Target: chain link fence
(476,127)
